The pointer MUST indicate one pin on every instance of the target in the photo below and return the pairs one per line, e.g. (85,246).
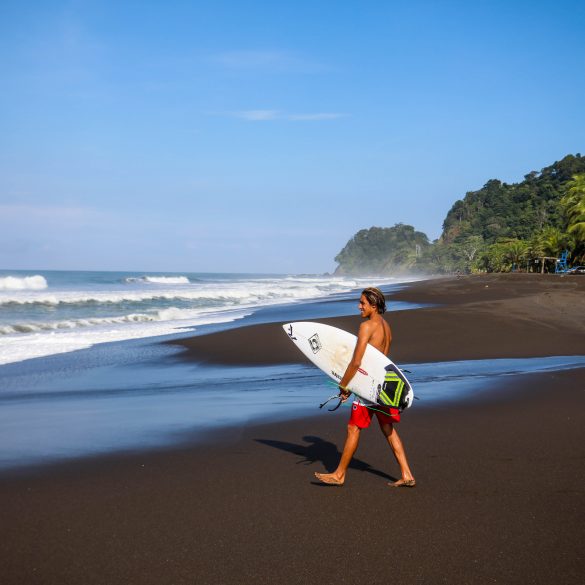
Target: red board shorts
(361,416)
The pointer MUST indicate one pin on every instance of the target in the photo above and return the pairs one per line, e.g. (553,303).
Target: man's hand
(344,393)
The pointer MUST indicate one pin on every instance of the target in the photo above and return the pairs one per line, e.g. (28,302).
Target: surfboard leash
(342,402)
(329,400)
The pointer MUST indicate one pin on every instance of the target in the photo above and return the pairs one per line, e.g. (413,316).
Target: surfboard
(378,380)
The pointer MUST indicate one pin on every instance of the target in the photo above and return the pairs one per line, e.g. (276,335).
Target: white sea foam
(15,348)
(159,279)
(170,314)
(220,293)
(23,283)
(80,313)
(239,292)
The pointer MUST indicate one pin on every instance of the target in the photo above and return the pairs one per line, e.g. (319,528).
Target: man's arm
(364,335)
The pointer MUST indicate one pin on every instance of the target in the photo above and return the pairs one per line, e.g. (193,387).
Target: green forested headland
(382,250)
(497,228)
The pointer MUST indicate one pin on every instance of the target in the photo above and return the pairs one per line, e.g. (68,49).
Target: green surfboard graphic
(391,390)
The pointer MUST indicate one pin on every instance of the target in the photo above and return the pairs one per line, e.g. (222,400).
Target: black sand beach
(499,496)
(477,317)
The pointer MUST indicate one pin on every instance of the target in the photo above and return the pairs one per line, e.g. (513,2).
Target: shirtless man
(375,331)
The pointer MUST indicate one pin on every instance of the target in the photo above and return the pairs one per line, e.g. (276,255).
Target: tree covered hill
(518,211)
(382,250)
(497,228)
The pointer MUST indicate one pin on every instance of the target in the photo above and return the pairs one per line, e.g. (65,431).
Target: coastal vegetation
(498,228)
(382,250)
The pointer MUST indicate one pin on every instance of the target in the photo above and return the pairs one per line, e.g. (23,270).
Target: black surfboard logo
(315,343)
(290,333)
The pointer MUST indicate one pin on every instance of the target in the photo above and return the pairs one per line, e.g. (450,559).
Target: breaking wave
(159,279)
(82,309)
(169,314)
(23,283)
(228,295)
(15,348)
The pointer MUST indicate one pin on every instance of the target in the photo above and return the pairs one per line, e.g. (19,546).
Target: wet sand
(500,494)
(477,317)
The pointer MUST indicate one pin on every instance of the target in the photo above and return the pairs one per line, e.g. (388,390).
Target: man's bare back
(378,333)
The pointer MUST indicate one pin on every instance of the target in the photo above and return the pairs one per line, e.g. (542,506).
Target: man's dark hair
(376,298)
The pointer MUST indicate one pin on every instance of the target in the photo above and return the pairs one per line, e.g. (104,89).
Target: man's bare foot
(329,478)
(403,483)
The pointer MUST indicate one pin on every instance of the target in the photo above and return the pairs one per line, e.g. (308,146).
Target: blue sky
(260,136)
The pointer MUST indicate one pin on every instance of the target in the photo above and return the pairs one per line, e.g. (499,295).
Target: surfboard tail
(396,390)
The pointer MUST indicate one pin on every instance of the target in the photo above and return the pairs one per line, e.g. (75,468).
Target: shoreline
(474,317)
(499,493)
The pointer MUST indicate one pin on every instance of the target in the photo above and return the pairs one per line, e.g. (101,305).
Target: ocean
(48,312)
(83,371)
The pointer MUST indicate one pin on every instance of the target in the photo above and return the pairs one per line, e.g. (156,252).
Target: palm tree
(554,241)
(515,251)
(495,258)
(574,203)
(536,246)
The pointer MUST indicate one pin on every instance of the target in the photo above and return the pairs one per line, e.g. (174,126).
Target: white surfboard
(378,379)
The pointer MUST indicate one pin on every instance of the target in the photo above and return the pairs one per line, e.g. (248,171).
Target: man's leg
(395,443)
(349,449)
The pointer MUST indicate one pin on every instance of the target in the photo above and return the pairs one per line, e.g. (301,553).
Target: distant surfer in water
(375,331)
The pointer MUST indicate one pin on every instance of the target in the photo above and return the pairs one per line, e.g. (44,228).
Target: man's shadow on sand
(319,450)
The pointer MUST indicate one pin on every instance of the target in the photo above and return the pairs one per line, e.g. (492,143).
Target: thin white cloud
(257,115)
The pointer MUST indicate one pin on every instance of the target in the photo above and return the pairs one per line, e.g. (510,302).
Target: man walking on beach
(375,331)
